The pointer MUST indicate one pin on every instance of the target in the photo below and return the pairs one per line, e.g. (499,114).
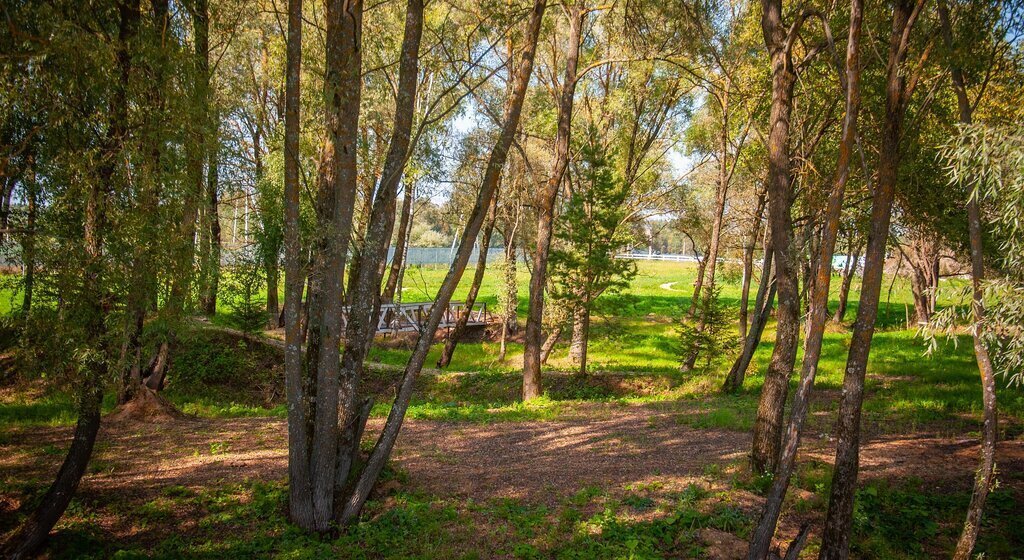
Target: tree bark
(549,344)
(338,182)
(404,227)
(762,310)
(364,296)
(579,314)
(836,536)
(985,475)
(386,440)
(721,194)
(922,255)
(209,300)
(509,322)
(28,247)
(299,393)
(546,210)
(768,425)
(852,264)
(748,263)
(474,289)
(850,76)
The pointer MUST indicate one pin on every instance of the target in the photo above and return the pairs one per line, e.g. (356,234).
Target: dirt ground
(537,462)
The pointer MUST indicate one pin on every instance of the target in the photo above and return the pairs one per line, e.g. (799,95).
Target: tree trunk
(584,337)
(762,310)
(509,319)
(94,302)
(143,290)
(985,475)
(209,300)
(273,303)
(549,344)
(299,393)
(722,192)
(762,539)
(360,491)
(748,262)
(768,425)
(404,227)
(698,283)
(316,396)
(852,264)
(579,335)
(195,156)
(923,257)
(474,289)
(836,536)
(546,210)
(28,247)
(364,295)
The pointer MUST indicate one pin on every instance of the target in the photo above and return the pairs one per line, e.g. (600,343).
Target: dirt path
(535,461)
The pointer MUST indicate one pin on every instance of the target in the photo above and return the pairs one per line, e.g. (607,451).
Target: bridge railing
(412,317)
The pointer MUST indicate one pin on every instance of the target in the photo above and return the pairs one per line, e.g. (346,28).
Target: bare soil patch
(537,462)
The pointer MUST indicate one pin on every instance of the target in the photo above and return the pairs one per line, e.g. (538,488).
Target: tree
(900,84)
(850,78)
(591,234)
(780,40)
(566,93)
(978,159)
(89,302)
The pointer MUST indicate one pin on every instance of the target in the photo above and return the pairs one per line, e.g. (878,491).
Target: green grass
(634,354)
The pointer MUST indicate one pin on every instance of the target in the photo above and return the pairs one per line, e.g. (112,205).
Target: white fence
(657,257)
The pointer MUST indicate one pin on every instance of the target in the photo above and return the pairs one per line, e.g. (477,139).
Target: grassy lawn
(634,355)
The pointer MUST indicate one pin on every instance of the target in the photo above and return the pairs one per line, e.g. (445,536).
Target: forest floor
(186,487)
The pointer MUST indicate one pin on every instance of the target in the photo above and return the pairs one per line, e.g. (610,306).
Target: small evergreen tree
(592,230)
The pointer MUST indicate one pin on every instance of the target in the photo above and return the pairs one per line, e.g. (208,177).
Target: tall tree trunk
(852,264)
(404,227)
(28,247)
(762,310)
(212,269)
(768,425)
(474,289)
(748,263)
(298,388)
(985,475)
(338,183)
(93,303)
(365,289)
(509,322)
(546,210)
(360,491)
(836,536)
(762,538)
(721,194)
(195,156)
(143,277)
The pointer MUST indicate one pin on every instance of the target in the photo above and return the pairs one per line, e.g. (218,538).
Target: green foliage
(242,291)
(710,334)
(990,161)
(592,229)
